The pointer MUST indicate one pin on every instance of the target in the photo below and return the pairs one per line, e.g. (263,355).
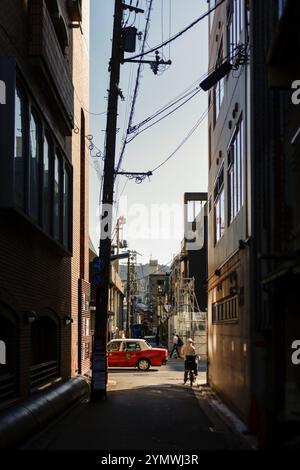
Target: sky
(154,209)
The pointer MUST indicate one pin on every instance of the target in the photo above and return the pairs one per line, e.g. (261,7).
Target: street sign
(96,279)
(96,264)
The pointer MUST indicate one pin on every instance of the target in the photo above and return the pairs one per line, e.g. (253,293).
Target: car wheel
(143,364)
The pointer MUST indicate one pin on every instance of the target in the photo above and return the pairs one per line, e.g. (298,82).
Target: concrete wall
(228,339)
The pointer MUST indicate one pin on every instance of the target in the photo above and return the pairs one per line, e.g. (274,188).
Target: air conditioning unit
(74,10)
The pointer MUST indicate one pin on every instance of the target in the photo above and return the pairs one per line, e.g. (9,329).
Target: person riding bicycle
(190,357)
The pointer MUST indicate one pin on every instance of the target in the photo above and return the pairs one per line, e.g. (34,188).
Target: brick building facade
(44,288)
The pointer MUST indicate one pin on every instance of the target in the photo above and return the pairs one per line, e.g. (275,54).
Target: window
(236,173)
(209,146)
(219,199)
(57,197)
(46,185)
(67,208)
(19,165)
(212,3)
(219,88)
(131,346)
(235,25)
(39,173)
(34,149)
(281,7)
(114,346)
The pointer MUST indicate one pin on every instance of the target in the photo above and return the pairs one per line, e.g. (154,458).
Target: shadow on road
(119,370)
(153,417)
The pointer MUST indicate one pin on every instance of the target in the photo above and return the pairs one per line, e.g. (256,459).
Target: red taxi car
(135,353)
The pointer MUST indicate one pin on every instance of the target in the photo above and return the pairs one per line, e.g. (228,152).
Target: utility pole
(128,299)
(121,43)
(99,358)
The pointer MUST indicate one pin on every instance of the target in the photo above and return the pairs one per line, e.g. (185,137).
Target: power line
(163,117)
(136,86)
(153,49)
(187,137)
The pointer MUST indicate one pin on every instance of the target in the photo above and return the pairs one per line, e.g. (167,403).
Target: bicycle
(190,366)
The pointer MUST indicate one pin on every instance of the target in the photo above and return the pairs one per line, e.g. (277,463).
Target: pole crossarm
(161,62)
(138,177)
(132,8)
(133,174)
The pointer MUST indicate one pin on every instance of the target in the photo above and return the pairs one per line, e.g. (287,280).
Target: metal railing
(42,374)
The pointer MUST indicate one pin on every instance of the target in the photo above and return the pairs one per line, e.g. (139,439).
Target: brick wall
(34,274)
(80,197)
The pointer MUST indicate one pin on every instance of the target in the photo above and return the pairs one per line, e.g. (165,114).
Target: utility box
(129,38)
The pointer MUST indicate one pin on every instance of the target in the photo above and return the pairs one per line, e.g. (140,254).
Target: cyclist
(190,357)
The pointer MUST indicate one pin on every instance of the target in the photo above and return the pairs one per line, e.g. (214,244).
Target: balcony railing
(42,374)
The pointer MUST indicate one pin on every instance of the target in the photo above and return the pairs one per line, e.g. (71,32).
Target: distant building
(116,317)
(187,285)
(44,283)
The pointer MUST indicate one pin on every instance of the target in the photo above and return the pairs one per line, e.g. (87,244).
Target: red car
(135,353)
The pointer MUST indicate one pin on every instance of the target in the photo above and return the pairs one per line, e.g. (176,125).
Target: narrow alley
(144,410)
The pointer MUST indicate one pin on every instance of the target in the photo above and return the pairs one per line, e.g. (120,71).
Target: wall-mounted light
(68,320)
(242,244)
(234,290)
(30,316)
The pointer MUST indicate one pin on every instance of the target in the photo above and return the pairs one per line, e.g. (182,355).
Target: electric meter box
(130,35)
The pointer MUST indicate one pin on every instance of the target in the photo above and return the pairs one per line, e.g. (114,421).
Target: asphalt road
(144,411)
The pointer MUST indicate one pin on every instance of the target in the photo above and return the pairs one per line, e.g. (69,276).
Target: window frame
(33,113)
(219,88)
(235,171)
(219,193)
(19,89)
(31,110)
(235,25)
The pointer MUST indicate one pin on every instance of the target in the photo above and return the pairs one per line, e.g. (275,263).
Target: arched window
(44,354)
(8,356)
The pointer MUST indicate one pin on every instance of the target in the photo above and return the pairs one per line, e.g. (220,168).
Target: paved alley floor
(143,411)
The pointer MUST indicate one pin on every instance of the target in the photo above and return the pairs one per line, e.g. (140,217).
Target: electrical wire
(136,86)
(187,137)
(163,117)
(194,91)
(160,111)
(202,17)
